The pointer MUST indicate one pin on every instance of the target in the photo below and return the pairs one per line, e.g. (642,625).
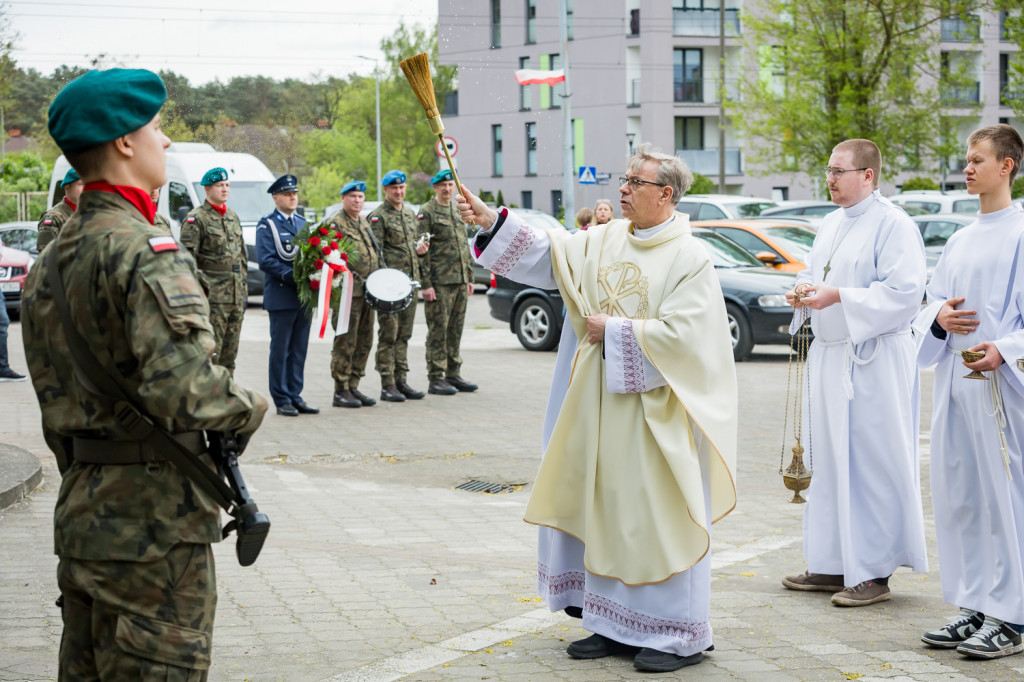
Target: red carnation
(334,245)
(318,264)
(326,250)
(323,230)
(344,257)
(314,241)
(314,283)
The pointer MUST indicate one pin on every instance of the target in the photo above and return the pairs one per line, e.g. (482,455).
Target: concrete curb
(20,473)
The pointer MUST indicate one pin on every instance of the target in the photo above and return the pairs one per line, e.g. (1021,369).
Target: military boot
(344,399)
(391,394)
(408,391)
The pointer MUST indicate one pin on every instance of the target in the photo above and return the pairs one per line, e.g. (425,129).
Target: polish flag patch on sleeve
(375,219)
(191,219)
(159,244)
(419,217)
(47,222)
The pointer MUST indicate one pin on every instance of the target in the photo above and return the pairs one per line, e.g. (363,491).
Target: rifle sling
(99,375)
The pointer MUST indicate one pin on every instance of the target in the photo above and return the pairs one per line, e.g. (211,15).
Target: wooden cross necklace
(828,264)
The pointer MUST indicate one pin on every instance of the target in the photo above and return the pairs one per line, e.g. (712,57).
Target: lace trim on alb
(570,581)
(634,621)
(516,249)
(634,378)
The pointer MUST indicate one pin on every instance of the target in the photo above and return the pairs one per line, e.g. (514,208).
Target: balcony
(961,95)
(705,161)
(704,22)
(961,30)
(688,90)
(703,90)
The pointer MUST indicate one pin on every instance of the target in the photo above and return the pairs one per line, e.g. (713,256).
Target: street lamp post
(376,80)
(629,138)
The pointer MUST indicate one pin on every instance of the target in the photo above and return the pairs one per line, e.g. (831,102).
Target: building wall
(606,60)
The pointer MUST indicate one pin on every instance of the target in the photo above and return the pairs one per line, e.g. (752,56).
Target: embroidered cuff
(503,250)
(627,369)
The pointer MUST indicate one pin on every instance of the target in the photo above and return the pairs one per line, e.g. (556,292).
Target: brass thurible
(797,478)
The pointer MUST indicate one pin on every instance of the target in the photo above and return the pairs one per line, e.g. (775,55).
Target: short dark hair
(88,161)
(865,155)
(1006,143)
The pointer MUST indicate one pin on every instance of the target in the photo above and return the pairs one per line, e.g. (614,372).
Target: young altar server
(976,303)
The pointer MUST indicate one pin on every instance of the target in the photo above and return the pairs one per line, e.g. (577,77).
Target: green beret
(104,105)
(441,176)
(69,177)
(213,176)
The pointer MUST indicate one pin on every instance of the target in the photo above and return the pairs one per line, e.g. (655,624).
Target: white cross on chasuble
(624,288)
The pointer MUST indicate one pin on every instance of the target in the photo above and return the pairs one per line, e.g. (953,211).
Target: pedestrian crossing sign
(588,175)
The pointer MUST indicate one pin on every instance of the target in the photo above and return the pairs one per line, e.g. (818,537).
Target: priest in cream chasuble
(640,435)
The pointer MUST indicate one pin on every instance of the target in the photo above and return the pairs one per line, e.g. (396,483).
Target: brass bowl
(973,356)
(797,478)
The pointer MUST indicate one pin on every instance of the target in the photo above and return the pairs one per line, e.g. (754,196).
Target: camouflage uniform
(162,223)
(51,222)
(448,268)
(217,245)
(352,349)
(396,233)
(136,570)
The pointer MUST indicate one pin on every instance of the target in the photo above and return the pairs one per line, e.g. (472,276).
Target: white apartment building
(640,71)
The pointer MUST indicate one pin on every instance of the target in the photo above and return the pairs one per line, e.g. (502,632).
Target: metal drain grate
(475,486)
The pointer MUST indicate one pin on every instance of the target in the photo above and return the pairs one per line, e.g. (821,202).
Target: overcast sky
(204,41)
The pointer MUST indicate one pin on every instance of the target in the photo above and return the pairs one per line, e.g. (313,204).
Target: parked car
(539,219)
(755,301)
(14,266)
(934,201)
(936,231)
(801,209)
(20,234)
(780,244)
(722,206)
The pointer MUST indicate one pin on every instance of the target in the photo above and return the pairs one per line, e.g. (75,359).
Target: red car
(14,266)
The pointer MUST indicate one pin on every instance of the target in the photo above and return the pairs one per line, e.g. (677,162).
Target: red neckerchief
(219,209)
(133,195)
(73,207)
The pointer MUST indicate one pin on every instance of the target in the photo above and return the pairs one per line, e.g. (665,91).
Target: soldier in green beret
(447,279)
(213,234)
(58,214)
(158,219)
(131,530)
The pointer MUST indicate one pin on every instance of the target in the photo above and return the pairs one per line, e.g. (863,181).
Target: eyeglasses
(635,182)
(838,172)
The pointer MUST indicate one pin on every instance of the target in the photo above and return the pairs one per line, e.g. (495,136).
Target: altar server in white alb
(863,285)
(640,431)
(976,302)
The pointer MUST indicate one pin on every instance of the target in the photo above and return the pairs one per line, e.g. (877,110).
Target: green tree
(1018,188)
(702,184)
(1013,94)
(919,183)
(829,71)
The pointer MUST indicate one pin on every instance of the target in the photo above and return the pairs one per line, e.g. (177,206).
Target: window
(531,148)
(527,199)
(556,203)
(495,23)
(556,91)
(177,198)
(689,132)
(531,22)
(496,166)
(748,241)
(524,90)
(688,75)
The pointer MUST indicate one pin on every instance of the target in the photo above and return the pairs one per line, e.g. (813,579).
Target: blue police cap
(285,183)
(354,186)
(71,176)
(213,176)
(441,176)
(393,177)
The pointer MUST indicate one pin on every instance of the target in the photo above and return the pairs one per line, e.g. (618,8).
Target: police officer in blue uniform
(289,325)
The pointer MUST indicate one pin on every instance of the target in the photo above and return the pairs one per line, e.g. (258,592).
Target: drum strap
(380,252)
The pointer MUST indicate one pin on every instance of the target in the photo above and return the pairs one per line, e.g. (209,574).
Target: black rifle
(250,524)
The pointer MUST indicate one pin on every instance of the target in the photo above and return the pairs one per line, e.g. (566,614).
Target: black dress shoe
(408,391)
(598,646)
(656,661)
(391,394)
(461,384)
(303,408)
(364,399)
(345,399)
(441,387)
(573,611)
(287,411)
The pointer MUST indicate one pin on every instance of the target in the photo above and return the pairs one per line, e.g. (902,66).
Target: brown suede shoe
(814,582)
(868,592)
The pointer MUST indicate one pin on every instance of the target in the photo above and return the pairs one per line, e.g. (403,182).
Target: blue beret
(213,176)
(285,183)
(104,105)
(441,176)
(71,176)
(355,185)
(393,177)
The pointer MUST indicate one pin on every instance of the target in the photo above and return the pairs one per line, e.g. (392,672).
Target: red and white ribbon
(323,298)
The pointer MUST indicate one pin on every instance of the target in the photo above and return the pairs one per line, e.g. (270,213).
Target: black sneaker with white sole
(994,639)
(950,635)
(8,374)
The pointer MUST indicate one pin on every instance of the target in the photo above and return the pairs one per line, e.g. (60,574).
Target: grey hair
(672,171)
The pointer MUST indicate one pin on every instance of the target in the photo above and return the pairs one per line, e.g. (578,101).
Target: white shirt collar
(648,232)
(861,206)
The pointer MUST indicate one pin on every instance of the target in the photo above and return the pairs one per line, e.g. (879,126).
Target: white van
(187,162)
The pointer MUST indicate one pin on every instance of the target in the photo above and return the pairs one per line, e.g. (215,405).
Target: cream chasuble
(621,471)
